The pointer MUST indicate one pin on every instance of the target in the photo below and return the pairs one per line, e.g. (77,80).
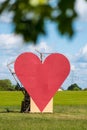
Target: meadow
(70,112)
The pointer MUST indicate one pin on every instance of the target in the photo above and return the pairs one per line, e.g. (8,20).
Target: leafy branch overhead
(30,16)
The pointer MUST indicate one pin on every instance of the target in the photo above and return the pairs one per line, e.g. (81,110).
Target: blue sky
(75,49)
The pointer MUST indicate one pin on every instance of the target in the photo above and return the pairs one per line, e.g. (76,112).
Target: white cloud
(83,65)
(6,17)
(8,41)
(81,56)
(84,50)
(10,45)
(73,67)
(81,8)
(79,68)
(2,1)
(41,47)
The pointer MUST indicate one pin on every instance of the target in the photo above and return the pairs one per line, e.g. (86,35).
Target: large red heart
(41,80)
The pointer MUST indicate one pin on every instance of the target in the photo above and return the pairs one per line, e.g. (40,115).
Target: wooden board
(35,109)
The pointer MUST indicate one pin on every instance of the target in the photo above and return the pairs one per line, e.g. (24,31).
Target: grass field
(11,100)
(70,113)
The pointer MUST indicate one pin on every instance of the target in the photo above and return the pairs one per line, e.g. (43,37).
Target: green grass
(14,98)
(54,121)
(70,113)
(11,100)
(71,98)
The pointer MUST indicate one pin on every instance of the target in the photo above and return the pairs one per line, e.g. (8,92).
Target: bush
(6,85)
(85,89)
(74,87)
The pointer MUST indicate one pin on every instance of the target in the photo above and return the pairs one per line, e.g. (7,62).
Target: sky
(75,49)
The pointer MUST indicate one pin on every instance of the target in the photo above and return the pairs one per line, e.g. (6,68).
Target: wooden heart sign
(41,80)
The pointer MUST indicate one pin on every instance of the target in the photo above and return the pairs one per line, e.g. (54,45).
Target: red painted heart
(41,80)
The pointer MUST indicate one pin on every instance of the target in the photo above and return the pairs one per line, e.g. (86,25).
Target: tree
(85,89)
(30,16)
(6,85)
(74,87)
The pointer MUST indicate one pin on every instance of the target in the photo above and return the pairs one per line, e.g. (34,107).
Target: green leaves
(29,17)
(6,85)
(66,17)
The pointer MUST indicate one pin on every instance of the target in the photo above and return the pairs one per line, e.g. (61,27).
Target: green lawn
(71,98)
(10,100)
(70,113)
(18,121)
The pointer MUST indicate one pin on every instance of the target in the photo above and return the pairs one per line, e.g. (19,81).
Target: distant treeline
(6,85)
(75,87)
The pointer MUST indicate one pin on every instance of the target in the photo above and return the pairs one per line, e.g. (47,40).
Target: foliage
(6,85)
(74,87)
(85,89)
(18,87)
(30,16)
